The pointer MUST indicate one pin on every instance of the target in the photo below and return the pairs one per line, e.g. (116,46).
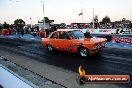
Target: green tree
(1,26)
(106,20)
(123,19)
(96,19)
(19,23)
(5,25)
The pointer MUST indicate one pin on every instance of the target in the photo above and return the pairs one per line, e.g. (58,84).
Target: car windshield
(76,34)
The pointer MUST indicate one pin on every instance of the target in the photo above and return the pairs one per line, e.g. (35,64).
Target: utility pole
(43,14)
(82,12)
(93,18)
(31,21)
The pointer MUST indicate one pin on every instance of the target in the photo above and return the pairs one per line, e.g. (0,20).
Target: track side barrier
(122,39)
(117,31)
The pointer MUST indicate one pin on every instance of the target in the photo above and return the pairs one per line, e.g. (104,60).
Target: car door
(64,41)
(54,40)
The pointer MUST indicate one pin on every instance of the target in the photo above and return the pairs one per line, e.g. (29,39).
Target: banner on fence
(123,31)
(121,39)
(109,31)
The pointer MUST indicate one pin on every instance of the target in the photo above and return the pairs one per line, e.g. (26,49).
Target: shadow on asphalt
(71,61)
(93,65)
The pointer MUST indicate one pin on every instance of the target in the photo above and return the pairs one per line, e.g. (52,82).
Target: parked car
(73,41)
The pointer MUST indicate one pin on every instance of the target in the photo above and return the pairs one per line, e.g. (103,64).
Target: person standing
(18,32)
(54,28)
(87,35)
(22,32)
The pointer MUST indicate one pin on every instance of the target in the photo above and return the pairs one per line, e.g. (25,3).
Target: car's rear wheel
(83,52)
(49,48)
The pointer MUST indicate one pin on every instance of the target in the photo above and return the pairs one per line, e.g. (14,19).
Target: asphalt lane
(111,60)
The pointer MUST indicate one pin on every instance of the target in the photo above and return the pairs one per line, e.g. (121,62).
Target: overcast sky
(64,10)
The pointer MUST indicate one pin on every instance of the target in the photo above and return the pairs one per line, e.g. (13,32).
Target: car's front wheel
(83,52)
(49,48)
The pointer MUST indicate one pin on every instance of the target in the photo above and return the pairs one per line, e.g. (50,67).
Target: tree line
(19,23)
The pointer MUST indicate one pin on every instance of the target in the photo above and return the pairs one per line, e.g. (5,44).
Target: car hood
(90,40)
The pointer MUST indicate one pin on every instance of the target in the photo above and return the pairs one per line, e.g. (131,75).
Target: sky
(64,11)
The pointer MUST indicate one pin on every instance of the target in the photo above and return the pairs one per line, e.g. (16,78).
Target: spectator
(54,28)
(27,31)
(18,32)
(87,35)
(32,29)
(37,29)
(22,32)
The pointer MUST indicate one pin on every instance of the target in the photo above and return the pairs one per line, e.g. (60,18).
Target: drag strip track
(111,61)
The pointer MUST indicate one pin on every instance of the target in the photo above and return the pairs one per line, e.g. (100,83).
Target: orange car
(73,41)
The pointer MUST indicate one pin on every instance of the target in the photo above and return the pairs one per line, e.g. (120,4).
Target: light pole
(82,11)
(43,14)
(93,18)
(31,21)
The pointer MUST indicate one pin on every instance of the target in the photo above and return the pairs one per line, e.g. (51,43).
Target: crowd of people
(111,25)
(20,31)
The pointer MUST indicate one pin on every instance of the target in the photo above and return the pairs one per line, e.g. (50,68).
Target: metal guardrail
(9,79)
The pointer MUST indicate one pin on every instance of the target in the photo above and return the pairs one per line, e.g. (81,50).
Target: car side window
(54,36)
(63,35)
